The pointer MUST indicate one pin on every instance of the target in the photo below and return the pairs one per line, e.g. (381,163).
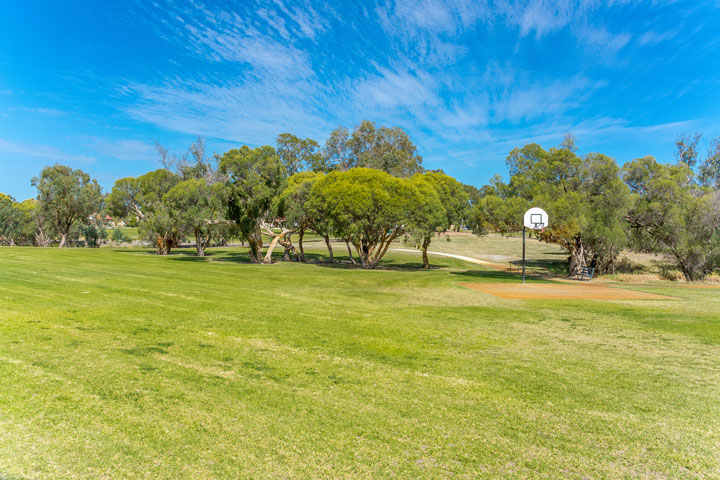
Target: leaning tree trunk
(63,240)
(271,247)
(347,244)
(329,247)
(283,239)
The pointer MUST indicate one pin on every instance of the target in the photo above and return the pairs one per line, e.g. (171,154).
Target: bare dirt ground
(563,291)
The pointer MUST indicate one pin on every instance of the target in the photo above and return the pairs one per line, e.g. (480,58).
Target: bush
(118,236)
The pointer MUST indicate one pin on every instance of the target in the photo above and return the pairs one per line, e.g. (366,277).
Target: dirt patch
(561,291)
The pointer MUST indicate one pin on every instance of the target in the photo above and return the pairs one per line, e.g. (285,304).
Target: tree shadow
(384,266)
(489,275)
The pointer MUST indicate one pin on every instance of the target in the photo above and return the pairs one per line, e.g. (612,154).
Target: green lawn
(119,364)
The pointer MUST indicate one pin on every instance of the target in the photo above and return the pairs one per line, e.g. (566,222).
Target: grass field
(119,364)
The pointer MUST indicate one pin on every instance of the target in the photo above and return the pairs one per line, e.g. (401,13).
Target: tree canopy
(367,206)
(67,197)
(385,148)
(671,215)
(254,178)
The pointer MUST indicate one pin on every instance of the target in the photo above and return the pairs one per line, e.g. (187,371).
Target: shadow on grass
(344,263)
(497,276)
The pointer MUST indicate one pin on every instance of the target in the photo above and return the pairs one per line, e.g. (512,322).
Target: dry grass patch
(561,291)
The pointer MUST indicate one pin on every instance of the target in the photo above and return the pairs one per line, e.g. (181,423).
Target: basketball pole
(523,253)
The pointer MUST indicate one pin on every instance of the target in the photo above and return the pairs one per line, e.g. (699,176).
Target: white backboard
(535,219)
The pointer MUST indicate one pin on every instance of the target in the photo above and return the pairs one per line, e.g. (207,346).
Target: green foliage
(585,198)
(687,148)
(672,215)
(292,202)
(386,148)
(430,215)
(194,207)
(67,198)
(141,198)
(367,206)
(502,215)
(35,229)
(118,236)
(254,178)
(10,220)
(453,197)
(710,167)
(298,154)
(94,234)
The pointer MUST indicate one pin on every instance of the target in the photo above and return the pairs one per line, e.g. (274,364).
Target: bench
(586,273)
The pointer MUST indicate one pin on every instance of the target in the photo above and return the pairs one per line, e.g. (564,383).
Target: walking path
(498,266)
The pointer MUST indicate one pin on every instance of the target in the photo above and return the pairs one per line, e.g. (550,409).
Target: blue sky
(93,84)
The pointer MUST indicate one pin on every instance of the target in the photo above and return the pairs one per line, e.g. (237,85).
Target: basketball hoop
(534,219)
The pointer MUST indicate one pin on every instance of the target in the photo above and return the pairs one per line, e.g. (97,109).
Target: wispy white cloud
(428,69)
(122,149)
(252,113)
(41,151)
(389,89)
(46,112)
(653,38)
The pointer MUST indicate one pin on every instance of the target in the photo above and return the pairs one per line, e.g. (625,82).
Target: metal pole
(523,254)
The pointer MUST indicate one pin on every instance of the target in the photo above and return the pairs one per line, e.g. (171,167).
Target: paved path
(498,266)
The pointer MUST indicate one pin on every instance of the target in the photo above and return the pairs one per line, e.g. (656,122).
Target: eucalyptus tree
(428,217)
(299,154)
(36,230)
(368,207)
(709,171)
(254,177)
(503,215)
(10,220)
(385,148)
(584,197)
(292,205)
(672,215)
(195,207)
(444,203)
(67,197)
(142,197)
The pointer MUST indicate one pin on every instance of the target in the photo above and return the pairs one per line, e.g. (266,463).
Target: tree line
(367,188)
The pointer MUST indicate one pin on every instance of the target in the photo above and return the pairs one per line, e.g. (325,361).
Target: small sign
(536,219)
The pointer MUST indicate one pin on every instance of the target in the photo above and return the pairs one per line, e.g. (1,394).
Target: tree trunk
(425,245)
(199,243)
(41,240)
(577,258)
(286,244)
(347,243)
(254,240)
(63,240)
(301,234)
(271,247)
(329,247)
